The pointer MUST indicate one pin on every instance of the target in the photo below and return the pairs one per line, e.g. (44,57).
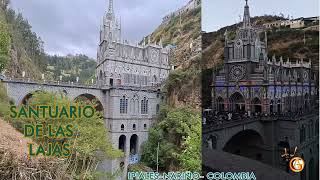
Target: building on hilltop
(293,23)
(192,4)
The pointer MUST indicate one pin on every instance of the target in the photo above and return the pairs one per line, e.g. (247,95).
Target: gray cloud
(72,26)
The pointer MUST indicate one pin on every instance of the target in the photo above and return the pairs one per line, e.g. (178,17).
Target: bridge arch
(246,143)
(91,98)
(25,98)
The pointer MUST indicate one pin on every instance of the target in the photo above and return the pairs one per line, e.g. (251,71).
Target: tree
(178,133)
(90,143)
(5,42)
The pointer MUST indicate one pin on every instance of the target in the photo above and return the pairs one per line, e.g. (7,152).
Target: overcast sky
(219,13)
(72,26)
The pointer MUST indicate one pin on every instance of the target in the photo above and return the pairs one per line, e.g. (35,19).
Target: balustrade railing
(78,84)
(224,119)
(47,82)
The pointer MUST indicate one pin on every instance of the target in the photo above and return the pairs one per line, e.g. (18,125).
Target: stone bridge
(250,137)
(219,135)
(20,90)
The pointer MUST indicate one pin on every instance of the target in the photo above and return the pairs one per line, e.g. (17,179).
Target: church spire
(110,9)
(246,16)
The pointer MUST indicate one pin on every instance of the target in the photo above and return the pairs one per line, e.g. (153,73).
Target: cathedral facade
(131,75)
(250,81)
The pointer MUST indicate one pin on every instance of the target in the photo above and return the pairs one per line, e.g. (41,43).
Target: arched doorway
(271,106)
(246,143)
(256,105)
(134,144)
(91,98)
(122,143)
(237,102)
(220,104)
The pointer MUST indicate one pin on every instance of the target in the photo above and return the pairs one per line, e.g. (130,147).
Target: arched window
(123,105)
(134,127)
(144,106)
(122,127)
(145,126)
(132,106)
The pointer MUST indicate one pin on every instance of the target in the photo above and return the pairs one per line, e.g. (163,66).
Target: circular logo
(296,164)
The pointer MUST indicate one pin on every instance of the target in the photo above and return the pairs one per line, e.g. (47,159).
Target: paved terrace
(218,161)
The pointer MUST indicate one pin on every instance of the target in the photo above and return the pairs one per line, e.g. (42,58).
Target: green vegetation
(176,78)
(140,167)
(178,132)
(289,43)
(5,41)
(179,31)
(89,145)
(70,67)
(4,101)
(285,42)
(25,47)
(21,49)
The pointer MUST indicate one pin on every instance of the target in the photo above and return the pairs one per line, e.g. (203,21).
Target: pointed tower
(246,16)
(111,29)
(246,53)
